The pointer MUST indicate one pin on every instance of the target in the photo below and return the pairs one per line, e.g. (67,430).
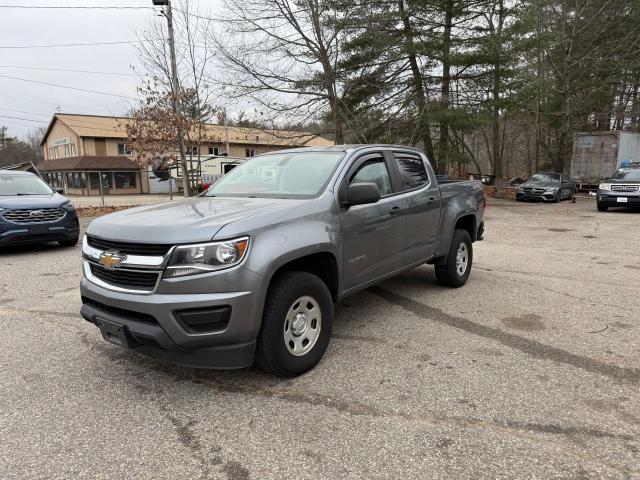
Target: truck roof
(346,148)
(4,171)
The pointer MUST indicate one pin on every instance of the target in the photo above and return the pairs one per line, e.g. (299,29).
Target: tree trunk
(443,142)
(496,90)
(418,82)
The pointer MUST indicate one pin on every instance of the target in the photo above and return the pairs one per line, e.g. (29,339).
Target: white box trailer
(597,155)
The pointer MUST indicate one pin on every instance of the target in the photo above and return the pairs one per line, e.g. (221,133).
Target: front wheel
(602,208)
(455,272)
(296,324)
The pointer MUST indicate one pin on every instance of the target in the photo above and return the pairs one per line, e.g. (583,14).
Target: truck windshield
(11,185)
(545,177)
(283,175)
(630,174)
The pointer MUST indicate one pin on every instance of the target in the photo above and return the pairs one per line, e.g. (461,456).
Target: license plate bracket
(115,333)
(622,200)
(38,229)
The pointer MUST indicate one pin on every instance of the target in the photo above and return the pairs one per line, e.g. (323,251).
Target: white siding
(629,148)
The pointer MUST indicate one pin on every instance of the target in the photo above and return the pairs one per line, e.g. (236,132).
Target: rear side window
(412,171)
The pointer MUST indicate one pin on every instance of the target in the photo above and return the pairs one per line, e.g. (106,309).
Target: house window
(70,150)
(107,180)
(125,180)
(124,149)
(249,152)
(53,152)
(93,181)
(195,150)
(214,150)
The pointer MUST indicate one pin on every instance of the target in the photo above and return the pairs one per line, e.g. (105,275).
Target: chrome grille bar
(34,215)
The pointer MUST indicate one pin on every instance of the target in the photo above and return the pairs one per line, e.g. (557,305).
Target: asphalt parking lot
(532,370)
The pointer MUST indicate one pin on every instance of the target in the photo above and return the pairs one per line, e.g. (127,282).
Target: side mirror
(59,190)
(362,193)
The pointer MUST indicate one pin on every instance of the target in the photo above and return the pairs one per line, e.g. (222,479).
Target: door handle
(395,211)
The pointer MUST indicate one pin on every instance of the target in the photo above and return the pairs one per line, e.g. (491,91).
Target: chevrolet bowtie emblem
(111,260)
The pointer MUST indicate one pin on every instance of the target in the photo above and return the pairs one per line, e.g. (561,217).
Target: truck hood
(32,201)
(186,221)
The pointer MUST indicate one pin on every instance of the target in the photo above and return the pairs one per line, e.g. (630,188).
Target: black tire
(447,274)
(72,242)
(602,208)
(557,198)
(272,355)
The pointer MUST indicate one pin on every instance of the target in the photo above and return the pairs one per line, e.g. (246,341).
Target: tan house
(80,149)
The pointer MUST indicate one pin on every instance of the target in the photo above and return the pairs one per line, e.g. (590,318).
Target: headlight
(206,257)
(605,186)
(551,189)
(67,206)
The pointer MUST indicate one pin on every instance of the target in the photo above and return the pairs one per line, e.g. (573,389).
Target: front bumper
(154,324)
(545,197)
(607,198)
(67,228)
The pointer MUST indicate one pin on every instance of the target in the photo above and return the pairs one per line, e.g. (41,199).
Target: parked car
(251,268)
(549,187)
(32,212)
(621,190)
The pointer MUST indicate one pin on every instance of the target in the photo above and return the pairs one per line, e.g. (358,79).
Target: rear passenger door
(420,206)
(373,234)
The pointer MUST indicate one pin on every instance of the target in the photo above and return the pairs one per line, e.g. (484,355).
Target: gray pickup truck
(249,271)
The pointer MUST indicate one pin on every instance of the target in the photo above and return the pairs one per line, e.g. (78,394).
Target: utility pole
(175,86)
(226,132)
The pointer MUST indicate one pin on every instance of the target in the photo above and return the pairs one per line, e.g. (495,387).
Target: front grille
(625,188)
(34,215)
(536,191)
(129,248)
(121,312)
(44,237)
(130,279)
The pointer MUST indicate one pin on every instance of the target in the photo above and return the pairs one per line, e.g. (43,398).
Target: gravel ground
(532,370)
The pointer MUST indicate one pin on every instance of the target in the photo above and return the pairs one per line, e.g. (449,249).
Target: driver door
(372,234)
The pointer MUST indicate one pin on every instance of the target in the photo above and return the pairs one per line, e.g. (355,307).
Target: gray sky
(30,27)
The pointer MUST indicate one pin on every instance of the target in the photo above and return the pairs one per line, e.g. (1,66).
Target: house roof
(115,127)
(87,162)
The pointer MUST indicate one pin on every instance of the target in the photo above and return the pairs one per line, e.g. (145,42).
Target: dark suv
(621,190)
(31,212)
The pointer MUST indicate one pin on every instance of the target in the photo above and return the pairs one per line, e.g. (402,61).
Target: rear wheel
(296,324)
(602,208)
(455,272)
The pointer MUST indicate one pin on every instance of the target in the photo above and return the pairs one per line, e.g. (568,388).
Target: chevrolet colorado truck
(249,271)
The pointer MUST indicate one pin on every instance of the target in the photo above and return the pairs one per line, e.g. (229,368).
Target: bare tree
(284,56)
(194,98)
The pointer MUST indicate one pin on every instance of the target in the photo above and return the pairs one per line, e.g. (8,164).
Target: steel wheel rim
(302,326)
(462,259)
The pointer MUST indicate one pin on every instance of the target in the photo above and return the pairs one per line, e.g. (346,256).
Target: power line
(23,111)
(76,7)
(68,87)
(25,119)
(72,71)
(90,44)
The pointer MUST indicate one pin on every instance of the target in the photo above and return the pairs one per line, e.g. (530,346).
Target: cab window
(375,171)
(412,171)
